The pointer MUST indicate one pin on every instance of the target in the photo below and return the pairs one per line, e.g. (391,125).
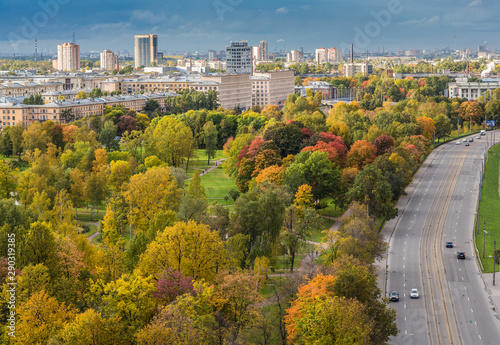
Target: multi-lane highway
(453,307)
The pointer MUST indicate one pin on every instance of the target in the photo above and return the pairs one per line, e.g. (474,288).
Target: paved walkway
(217,163)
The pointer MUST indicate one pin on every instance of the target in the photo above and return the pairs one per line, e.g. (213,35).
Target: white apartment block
(108,60)
(351,69)
(295,56)
(321,56)
(239,58)
(68,57)
(272,87)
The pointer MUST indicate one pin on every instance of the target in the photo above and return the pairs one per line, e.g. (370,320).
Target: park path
(217,163)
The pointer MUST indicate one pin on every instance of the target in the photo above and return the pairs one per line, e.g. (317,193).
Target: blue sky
(199,25)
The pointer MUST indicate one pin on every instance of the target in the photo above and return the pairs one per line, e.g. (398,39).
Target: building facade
(471,91)
(146,50)
(327,90)
(108,60)
(264,53)
(68,57)
(351,69)
(13,113)
(334,55)
(239,58)
(272,87)
(321,56)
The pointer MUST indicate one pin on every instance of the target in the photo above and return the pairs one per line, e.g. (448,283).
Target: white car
(458,143)
(414,293)
(465,140)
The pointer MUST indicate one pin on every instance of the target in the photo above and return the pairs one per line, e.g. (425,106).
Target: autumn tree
(192,248)
(120,172)
(471,111)
(7,180)
(426,126)
(40,318)
(149,193)
(172,284)
(383,144)
(169,139)
(361,153)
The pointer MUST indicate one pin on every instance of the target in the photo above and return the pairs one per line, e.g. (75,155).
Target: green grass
(86,216)
(317,234)
(93,228)
(330,210)
(200,162)
(217,184)
(490,204)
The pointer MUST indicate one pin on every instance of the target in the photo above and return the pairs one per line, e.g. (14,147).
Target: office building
(68,57)
(146,50)
(462,88)
(321,56)
(264,54)
(108,60)
(159,57)
(239,58)
(212,55)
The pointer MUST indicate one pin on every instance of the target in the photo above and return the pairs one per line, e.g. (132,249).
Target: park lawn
(200,161)
(93,228)
(85,216)
(490,204)
(330,210)
(317,234)
(217,184)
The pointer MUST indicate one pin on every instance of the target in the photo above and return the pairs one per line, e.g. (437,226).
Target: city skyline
(370,24)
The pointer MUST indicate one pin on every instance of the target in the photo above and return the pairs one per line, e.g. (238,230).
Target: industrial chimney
(352,53)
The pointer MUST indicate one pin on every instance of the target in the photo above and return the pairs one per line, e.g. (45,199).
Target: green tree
(210,140)
(7,180)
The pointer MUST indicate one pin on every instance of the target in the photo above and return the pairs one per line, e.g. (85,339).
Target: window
(14,118)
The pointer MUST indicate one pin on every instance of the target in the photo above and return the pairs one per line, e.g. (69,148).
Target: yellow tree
(90,327)
(40,318)
(120,172)
(274,174)
(63,217)
(303,198)
(149,193)
(7,180)
(192,248)
(195,189)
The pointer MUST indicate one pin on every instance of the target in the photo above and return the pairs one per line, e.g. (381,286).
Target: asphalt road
(453,307)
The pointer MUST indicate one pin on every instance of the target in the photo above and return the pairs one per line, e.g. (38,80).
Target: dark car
(461,255)
(467,144)
(471,140)
(394,296)
(449,244)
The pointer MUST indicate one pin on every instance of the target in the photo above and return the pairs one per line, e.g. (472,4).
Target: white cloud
(146,16)
(475,3)
(282,10)
(110,26)
(422,22)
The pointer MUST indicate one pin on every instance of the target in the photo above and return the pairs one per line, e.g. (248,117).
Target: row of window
(8,118)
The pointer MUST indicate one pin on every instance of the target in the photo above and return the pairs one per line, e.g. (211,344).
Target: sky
(200,25)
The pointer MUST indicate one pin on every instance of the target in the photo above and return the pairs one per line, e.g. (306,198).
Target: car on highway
(478,137)
(471,140)
(467,144)
(394,296)
(449,244)
(465,140)
(461,255)
(458,143)
(414,293)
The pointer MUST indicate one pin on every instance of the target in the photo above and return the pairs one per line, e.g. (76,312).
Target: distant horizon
(211,25)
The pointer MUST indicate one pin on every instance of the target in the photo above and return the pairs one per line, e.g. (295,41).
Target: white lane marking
(405,306)
(405,318)
(480,337)
(468,299)
(406,332)
(460,269)
(465,287)
(471,310)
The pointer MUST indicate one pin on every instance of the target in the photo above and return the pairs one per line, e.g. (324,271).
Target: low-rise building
(327,90)
(462,88)
(13,112)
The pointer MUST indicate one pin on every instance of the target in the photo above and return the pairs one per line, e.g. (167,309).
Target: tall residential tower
(68,57)
(146,50)
(239,58)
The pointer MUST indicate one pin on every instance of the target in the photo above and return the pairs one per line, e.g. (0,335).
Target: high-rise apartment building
(146,50)
(334,55)
(239,58)
(264,54)
(351,69)
(212,55)
(295,56)
(321,55)
(68,57)
(108,60)
(256,53)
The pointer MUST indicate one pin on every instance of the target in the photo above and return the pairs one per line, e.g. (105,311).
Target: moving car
(465,140)
(478,137)
(394,296)
(467,144)
(414,293)
(461,255)
(483,132)
(458,143)
(449,244)
(471,140)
